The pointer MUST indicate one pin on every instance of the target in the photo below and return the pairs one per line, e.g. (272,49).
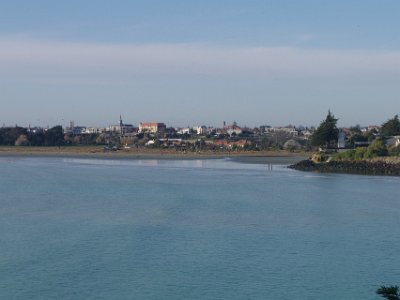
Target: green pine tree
(390,293)
(327,133)
(391,127)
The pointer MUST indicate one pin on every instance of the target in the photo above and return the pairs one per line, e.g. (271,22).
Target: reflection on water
(181,163)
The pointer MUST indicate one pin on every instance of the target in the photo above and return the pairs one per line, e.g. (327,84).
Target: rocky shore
(364,167)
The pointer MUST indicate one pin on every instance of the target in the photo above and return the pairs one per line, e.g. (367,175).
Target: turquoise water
(196,229)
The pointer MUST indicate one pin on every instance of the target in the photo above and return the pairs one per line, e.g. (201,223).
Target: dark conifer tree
(327,133)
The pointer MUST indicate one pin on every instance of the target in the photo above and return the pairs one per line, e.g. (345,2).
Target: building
(393,141)
(373,128)
(290,130)
(341,140)
(121,128)
(152,127)
(201,130)
(186,130)
(265,129)
(125,128)
(233,129)
(230,144)
(76,130)
(94,130)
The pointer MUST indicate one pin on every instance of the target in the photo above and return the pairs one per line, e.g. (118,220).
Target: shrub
(376,148)
(360,153)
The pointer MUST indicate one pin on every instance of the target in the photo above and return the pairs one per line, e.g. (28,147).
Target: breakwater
(364,167)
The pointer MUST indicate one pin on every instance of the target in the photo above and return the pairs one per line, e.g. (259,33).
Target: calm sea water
(198,229)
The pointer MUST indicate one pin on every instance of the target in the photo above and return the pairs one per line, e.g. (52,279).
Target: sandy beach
(266,157)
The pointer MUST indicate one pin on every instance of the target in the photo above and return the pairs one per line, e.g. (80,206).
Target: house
(306,134)
(265,128)
(373,128)
(290,130)
(186,130)
(230,144)
(94,130)
(341,140)
(233,130)
(152,127)
(200,130)
(76,130)
(393,141)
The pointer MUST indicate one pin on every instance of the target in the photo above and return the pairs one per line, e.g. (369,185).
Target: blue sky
(199,62)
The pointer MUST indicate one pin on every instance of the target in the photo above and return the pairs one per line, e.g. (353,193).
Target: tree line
(327,134)
(19,136)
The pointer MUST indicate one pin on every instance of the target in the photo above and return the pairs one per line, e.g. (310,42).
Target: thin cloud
(24,59)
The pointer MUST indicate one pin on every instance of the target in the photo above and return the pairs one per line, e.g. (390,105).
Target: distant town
(227,137)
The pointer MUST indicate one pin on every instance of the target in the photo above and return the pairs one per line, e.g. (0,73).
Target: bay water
(78,228)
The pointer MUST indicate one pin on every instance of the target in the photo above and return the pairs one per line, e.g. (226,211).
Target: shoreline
(262,157)
(373,167)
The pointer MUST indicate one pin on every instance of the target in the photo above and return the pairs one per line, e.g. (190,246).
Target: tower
(121,125)
(121,129)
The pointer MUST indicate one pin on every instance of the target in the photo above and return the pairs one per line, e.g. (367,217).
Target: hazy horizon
(188,63)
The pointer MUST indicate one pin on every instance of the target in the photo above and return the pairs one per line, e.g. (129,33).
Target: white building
(185,130)
(76,130)
(341,140)
(393,141)
(94,130)
(201,130)
(291,130)
(233,129)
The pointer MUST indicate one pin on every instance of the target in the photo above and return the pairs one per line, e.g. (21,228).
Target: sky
(184,62)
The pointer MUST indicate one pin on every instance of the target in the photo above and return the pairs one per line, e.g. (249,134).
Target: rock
(352,167)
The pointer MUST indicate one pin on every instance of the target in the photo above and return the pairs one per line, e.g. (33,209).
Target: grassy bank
(98,151)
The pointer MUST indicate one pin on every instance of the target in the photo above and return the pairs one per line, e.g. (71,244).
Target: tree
(391,127)
(390,293)
(9,135)
(37,139)
(356,137)
(376,148)
(54,136)
(327,133)
(22,140)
